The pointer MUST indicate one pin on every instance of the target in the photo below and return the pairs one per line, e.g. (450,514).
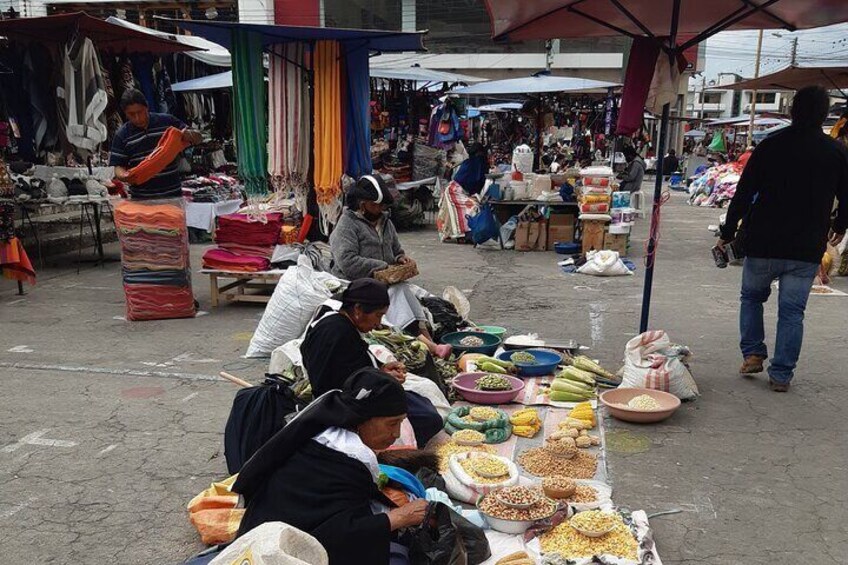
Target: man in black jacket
(785,201)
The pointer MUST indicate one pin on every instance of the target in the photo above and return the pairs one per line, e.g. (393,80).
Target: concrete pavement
(108,428)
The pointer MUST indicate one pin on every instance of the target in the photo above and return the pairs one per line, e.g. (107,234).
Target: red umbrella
(662,21)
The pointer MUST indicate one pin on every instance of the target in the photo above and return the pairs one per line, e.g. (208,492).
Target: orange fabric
(396,495)
(169,147)
(214,514)
(15,263)
(132,215)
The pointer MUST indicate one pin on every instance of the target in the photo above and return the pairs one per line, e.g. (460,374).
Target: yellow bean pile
(449,448)
(571,544)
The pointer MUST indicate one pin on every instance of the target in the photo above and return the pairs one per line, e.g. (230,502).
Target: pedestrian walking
(784,202)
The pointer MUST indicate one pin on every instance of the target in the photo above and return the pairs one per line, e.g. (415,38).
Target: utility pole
(753,109)
(703,93)
(794,50)
(549,55)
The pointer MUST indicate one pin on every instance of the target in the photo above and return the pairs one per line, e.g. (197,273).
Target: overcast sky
(735,51)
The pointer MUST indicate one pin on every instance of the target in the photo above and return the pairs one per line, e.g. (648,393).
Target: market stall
(322,132)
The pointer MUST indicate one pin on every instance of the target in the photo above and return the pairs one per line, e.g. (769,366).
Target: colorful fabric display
(14,262)
(155,260)
(251,129)
(288,113)
(328,132)
(244,243)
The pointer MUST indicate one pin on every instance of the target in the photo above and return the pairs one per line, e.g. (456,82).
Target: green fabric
(496,430)
(249,110)
(717,144)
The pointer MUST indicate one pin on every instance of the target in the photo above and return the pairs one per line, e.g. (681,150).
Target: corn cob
(564,385)
(561,396)
(586,364)
(577,375)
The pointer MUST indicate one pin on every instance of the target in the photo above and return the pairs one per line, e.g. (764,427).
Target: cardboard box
(617,242)
(559,234)
(560,220)
(593,235)
(531,236)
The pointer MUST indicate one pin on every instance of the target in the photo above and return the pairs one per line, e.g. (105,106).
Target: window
(712,97)
(766,97)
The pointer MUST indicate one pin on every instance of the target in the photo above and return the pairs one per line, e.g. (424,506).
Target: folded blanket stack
(155,261)
(244,243)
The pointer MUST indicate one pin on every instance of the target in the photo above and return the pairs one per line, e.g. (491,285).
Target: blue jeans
(796,279)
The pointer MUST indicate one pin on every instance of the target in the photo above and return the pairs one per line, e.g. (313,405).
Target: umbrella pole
(655,218)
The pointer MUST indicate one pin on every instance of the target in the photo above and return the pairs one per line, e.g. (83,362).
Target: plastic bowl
(490,342)
(617,399)
(494,330)
(547,362)
(563,248)
(464,384)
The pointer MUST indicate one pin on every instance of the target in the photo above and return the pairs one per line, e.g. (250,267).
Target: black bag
(445,317)
(446,538)
(257,414)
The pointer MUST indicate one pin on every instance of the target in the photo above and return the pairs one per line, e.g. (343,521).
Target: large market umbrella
(540,83)
(107,36)
(666,22)
(795,77)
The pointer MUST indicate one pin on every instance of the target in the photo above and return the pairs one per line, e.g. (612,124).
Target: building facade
(714,100)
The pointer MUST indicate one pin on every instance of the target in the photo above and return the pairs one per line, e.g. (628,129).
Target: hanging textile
(250,111)
(328,131)
(84,96)
(637,83)
(289,119)
(357,126)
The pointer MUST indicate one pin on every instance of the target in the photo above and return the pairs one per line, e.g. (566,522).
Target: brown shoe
(778,387)
(751,365)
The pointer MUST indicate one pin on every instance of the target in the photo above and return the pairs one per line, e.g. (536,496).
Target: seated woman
(320,472)
(365,241)
(333,349)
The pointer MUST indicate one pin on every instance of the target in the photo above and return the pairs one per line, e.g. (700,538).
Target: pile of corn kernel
(468,465)
(449,448)
(571,544)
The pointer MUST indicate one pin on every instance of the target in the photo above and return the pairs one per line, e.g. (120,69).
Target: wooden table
(262,283)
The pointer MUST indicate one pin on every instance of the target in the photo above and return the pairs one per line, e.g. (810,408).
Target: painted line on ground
(107,449)
(189,397)
(109,371)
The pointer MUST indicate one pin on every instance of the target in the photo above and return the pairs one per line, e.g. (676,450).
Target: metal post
(652,243)
(753,109)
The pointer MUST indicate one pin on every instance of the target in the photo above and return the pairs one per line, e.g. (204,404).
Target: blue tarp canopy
(209,82)
(695,133)
(375,40)
(502,107)
(537,84)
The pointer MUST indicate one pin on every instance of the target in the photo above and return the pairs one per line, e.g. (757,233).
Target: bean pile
(471,436)
(595,520)
(471,341)
(468,466)
(483,413)
(493,507)
(492,382)
(571,544)
(518,496)
(538,461)
(583,494)
(447,449)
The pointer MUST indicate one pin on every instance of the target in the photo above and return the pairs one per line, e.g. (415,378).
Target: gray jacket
(359,250)
(631,181)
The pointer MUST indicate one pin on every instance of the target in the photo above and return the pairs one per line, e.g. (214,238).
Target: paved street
(108,428)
